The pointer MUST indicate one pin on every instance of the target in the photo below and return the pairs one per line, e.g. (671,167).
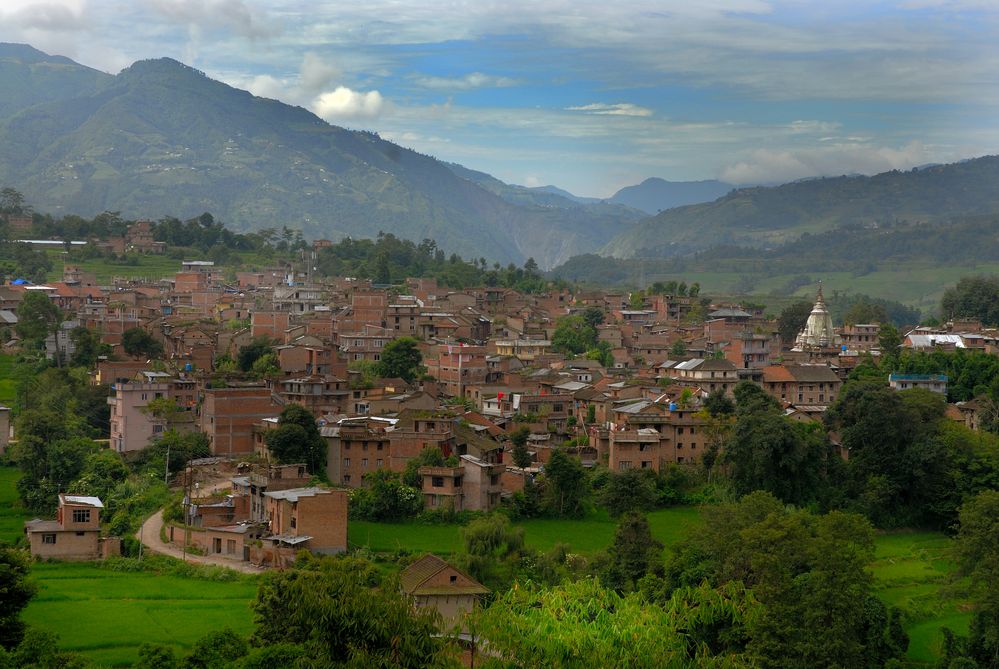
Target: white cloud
(344,104)
(266,86)
(620,109)
(778,166)
(467,82)
(316,73)
(234,16)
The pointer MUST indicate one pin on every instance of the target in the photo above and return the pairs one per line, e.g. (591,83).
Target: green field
(7,393)
(12,516)
(583,536)
(913,572)
(153,267)
(105,615)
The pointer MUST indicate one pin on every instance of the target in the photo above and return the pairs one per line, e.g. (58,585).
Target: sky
(588,96)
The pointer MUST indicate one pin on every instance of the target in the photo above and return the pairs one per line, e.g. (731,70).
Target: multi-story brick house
(313,519)
(74,534)
(133,425)
(814,385)
(228,417)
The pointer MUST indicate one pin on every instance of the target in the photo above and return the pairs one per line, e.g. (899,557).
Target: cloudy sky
(590,96)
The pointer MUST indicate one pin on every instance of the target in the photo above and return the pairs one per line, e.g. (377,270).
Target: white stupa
(818,332)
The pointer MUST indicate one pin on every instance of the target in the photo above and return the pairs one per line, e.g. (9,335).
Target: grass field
(153,267)
(6,380)
(105,616)
(583,536)
(913,572)
(12,516)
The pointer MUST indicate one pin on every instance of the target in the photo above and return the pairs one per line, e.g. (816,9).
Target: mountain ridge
(163,139)
(764,217)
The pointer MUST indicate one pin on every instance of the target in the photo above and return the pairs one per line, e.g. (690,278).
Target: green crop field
(150,266)
(912,571)
(106,615)
(583,536)
(12,515)
(6,380)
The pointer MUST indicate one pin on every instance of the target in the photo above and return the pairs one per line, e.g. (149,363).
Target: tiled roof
(415,575)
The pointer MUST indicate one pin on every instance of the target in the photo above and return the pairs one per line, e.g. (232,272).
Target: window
(346,478)
(624,465)
(454,579)
(81,515)
(380,446)
(81,534)
(346,462)
(378,463)
(48,538)
(294,522)
(680,445)
(437,482)
(364,463)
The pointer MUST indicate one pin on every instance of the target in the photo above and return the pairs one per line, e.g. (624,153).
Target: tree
(629,491)
(156,656)
(258,348)
(678,348)
(385,498)
(297,439)
(88,347)
(573,335)
(37,317)
(341,613)
(978,554)
(140,344)
(593,316)
(889,341)
(15,593)
(565,485)
(973,297)
(808,572)
(792,320)
(718,403)
(632,553)
(767,451)
(492,549)
(216,650)
(521,456)
(401,358)
(580,625)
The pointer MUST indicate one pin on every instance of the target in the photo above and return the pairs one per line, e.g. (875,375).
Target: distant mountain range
(655,195)
(162,139)
(770,217)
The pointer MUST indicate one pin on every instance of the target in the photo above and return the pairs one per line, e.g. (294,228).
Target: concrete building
(228,416)
(936,383)
(74,534)
(313,519)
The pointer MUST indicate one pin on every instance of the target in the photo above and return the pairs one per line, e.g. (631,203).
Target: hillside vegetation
(161,138)
(769,217)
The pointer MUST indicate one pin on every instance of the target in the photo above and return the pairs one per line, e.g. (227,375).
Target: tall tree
(140,344)
(297,439)
(792,320)
(37,317)
(401,358)
(343,614)
(566,486)
(15,593)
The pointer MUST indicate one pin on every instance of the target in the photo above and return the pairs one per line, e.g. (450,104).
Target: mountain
(162,139)
(769,217)
(655,195)
(29,77)
(566,194)
(544,196)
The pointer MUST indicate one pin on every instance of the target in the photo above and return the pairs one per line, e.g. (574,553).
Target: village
(489,367)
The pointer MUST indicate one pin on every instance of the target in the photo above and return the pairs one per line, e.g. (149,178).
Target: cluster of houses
(491,369)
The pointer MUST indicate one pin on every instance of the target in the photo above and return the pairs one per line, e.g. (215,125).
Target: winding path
(150,534)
